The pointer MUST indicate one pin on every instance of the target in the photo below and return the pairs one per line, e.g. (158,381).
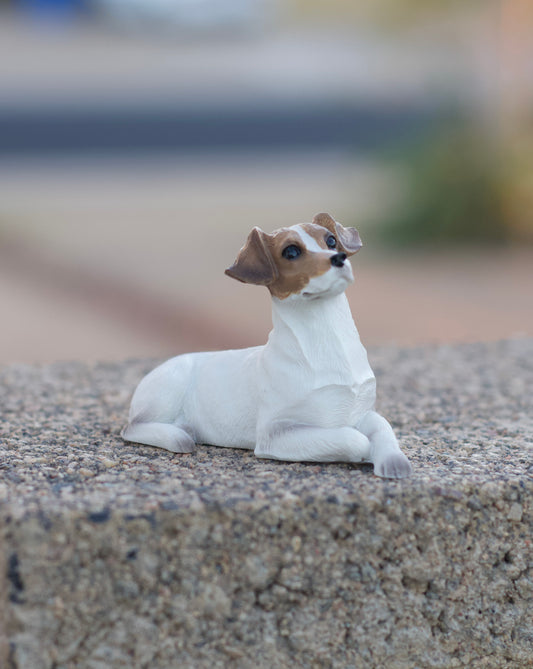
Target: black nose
(338,259)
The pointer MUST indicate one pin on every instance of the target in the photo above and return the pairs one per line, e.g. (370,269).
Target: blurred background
(140,140)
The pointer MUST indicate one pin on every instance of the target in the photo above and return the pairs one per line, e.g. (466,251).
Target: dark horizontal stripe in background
(61,131)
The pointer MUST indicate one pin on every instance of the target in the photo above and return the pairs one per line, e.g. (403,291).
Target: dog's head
(305,261)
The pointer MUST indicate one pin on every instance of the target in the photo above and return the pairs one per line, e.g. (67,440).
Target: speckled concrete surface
(115,555)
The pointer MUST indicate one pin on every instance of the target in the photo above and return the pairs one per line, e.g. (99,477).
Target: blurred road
(135,131)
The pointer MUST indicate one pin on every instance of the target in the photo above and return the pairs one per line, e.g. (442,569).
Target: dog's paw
(393,466)
(160,435)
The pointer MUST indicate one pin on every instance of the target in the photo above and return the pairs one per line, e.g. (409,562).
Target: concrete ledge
(121,556)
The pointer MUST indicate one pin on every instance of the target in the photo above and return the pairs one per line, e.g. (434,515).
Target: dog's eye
(291,252)
(331,242)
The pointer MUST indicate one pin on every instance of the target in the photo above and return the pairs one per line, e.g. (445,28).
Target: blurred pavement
(95,266)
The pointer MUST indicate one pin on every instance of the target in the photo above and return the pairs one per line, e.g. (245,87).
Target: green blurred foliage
(455,184)
(388,14)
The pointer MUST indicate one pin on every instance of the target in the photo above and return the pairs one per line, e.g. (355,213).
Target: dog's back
(212,396)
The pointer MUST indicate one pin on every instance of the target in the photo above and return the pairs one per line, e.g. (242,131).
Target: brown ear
(254,263)
(349,238)
(325,221)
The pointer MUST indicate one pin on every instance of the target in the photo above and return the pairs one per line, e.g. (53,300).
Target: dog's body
(307,395)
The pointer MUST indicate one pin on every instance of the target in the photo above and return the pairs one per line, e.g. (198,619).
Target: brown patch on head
(294,275)
(320,235)
(261,261)
(348,239)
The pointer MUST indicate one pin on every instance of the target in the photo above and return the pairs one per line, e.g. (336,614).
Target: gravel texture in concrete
(116,555)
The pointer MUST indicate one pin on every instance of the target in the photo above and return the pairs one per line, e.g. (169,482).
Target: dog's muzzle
(338,259)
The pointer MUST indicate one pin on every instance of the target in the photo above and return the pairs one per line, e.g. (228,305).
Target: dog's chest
(294,368)
(302,371)
(329,391)
(314,364)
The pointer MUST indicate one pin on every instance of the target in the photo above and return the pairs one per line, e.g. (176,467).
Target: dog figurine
(308,394)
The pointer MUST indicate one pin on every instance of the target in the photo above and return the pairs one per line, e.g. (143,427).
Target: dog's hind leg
(306,443)
(161,435)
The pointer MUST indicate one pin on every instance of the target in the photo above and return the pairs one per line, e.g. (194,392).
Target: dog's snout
(338,259)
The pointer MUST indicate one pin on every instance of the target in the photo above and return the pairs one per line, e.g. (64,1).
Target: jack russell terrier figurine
(307,395)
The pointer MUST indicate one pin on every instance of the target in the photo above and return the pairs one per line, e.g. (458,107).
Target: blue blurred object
(50,9)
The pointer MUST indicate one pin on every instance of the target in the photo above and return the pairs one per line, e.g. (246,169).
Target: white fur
(307,395)
(310,243)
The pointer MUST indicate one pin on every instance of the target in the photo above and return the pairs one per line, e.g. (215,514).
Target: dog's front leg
(385,452)
(308,443)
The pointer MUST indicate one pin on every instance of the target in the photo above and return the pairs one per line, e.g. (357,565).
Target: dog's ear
(349,239)
(254,263)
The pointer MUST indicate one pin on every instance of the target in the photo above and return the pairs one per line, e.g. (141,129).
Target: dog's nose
(338,259)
